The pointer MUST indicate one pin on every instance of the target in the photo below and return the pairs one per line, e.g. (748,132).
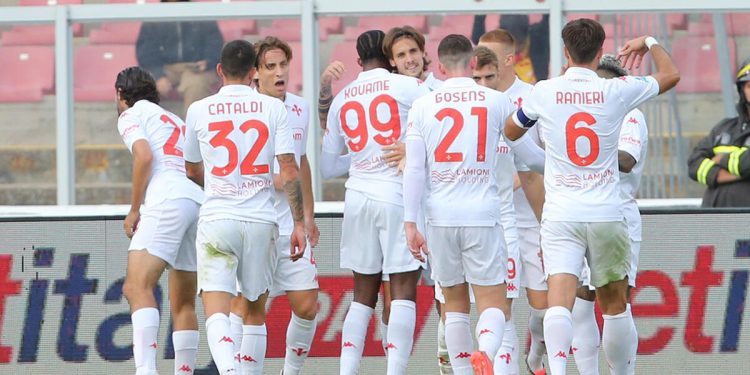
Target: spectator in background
(721,161)
(181,56)
(532,43)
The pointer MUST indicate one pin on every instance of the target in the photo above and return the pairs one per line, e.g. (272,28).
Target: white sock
(585,345)
(384,336)
(506,360)
(145,329)
(353,337)
(620,342)
(299,338)
(490,330)
(444,359)
(235,327)
(253,350)
(537,348)
(401,337)
(632,362)
(459,342)
(185,348)
(558,334)
(220,343)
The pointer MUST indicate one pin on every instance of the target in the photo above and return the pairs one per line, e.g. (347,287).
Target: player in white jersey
(232,138)
(366,115)
(631,159)
(161,222)
(580,115)
(404,47)
(298,279)
(451,137)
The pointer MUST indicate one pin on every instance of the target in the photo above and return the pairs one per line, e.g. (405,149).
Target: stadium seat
(737,24)
(289,30)
(332,25)
(115,33)
(431,49)
(28,73)
(384,23)
(95,68)
(346,52)
(295,69)
(699,65)
(236,29)
(42,35)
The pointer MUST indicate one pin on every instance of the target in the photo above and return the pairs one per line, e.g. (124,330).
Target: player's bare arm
(532,184)
(290,176)
(334,71)
(667,74)
(511,131)
(142,159)
(311,228)
(194,172)
(625,161)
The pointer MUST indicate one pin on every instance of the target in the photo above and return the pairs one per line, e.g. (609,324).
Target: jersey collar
(373,73)
(459,81)
(235,89)
(580,71)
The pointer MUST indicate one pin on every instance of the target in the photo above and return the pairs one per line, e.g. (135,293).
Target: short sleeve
(632,137)
(333,142)
(191,149)
(130,129)
(527,115)
(635,90)
(283,139)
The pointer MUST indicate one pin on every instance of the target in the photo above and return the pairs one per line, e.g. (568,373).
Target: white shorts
(232,251)
(299,275)
(167,231)
(532,276)
(476,255)
(635,252)
(605,245)
(373,238)
(515,268)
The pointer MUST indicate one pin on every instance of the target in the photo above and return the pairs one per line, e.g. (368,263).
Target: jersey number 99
(358,134)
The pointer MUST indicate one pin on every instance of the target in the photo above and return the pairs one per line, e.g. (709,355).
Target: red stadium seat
(28,73)
(346,52)
(95,69)
(384,23)
(236,29)
(737,24)
(289,30)
(295,69)
(332,25)
(43,35)
(699,64)
(115,33)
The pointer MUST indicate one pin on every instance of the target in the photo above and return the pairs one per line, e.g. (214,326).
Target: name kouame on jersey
(237,133)
(634,141)
(298,116)
(366,116)
(460,124)
(580,116)
(164,133)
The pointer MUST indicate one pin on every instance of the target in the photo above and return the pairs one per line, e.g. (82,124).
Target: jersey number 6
(572,133)
(359,132)
(224,128)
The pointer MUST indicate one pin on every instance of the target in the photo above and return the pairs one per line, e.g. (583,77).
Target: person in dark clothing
(181,56)
(721,161)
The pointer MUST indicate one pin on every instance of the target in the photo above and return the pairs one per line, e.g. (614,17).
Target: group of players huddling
(457,175)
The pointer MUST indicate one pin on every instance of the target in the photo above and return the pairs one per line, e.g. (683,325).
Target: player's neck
(281,97)
(590,66)
(241,82)
(506,82)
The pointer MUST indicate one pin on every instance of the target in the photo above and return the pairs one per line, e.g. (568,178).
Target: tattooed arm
(290,181)
(334,71)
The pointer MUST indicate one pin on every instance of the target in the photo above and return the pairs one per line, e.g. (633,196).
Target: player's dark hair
(455,51)
(270,43)
(611,67)
(485,57)
(408,32)
(370,47)
(583,38)
(237,58)
(134,84)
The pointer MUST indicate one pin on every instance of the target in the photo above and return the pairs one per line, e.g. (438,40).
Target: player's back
(163,131)
(371,113)
(239,132)
(580,115)
(460,125)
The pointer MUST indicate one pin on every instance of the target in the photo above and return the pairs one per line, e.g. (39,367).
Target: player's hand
(334,71)
(298,242)
(717,158)
(415,241)
(163,86)
(632,52)
(394,153)
(131,223)
(201,66)
(313,234)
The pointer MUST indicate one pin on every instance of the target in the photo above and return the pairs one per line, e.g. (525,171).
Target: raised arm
(667,74)
(334,71)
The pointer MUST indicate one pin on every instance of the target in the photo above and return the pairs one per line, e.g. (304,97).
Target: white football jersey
(298,115)
(163,131)
(432,82)
(237,133)
(580,116)
(460,124)
(634,141)
(525,217)
(367,115)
